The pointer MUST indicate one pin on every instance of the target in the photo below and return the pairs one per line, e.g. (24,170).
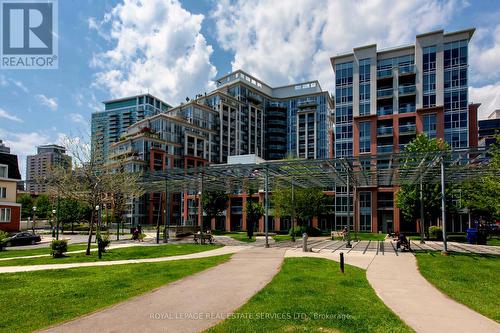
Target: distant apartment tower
(108,126)
(385,97)
(38,166)
(3,148)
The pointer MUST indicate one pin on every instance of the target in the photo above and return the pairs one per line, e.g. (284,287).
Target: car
(23,238)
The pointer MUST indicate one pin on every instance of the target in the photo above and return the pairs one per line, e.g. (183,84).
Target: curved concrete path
(398,282)
(192,304)
(204,254)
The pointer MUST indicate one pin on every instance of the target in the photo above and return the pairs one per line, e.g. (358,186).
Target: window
(365,204)
(364,137)
(455,54)
(429,121)
(364,70)
(3,192)
(4,171)
(364,92)
(364,108)
(429,58)
(5,215)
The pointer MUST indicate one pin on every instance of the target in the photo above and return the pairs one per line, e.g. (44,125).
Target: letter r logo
(27,28)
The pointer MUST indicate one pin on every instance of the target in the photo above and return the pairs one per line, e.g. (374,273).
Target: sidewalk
(398,282)
(192,304)
(204,254)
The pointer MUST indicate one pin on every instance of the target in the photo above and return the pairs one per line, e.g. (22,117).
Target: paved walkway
(177,307)
(400,285)
(204,254)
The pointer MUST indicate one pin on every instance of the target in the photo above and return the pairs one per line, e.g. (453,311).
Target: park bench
(336,234)
(206,237)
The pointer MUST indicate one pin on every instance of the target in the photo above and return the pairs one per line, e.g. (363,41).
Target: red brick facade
(15,218)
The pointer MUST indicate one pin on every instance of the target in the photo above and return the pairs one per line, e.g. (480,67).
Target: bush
(59,247)
(3,237)
(297,231)
(105,241)
(435,233)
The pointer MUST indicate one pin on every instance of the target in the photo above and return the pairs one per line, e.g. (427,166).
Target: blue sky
(112,48)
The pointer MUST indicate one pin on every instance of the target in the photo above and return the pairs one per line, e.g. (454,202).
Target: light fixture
(97,207)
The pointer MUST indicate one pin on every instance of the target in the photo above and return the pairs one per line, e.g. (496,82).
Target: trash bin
(472,236)
(482,236)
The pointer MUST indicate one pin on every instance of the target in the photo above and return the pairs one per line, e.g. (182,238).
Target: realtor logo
(29,34)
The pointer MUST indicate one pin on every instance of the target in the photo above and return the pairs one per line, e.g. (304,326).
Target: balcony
(384,93)
(384,111)
(407,129)
(407,69)
(384,131)
(385,149)
(276,105)
(307,103)
(407,108)
(407,90)
(254,98)
(384,73)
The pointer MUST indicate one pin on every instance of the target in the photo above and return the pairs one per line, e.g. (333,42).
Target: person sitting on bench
(403,243)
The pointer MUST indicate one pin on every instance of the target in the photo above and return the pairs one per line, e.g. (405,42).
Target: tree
(214,203)
(254,211)
(71,211)
(43,206)
(408,195)
(481,194)
(91,181)
(26,202)
(304,205)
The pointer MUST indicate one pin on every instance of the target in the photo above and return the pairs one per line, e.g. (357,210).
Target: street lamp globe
(53,211)
(97,207)
(34,208)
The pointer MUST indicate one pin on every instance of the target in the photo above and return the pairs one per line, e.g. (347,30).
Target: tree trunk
(91,226)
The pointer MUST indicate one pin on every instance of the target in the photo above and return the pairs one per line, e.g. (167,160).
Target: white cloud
(5,81)
(158,46)
(6,115)
(77,118)
(20,85)
(288,41)
(485,54)
(488,96)
(51,103)
(23,144)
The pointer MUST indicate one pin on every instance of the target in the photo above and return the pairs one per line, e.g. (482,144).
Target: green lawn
(281,238)
(471,279)
(462,238)
(34,300)
(311,295)
(33,252)
(133,252)
(240,236)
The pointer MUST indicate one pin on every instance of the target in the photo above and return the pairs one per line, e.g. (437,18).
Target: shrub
(435,233)
(297,231)
(105,241)
(3,237)
(59,247)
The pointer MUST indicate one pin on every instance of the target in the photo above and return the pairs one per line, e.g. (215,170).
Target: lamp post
(54,222)
(34,219)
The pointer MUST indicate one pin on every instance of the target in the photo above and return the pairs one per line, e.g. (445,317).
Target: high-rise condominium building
(242,116)
(38,166)
(383,98)
(108,126)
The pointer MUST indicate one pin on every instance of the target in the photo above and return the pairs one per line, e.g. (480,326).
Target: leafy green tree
(43,206)
(254,211)
(408,196)
(481,194)
(304,205)
(214,203)
(26,202)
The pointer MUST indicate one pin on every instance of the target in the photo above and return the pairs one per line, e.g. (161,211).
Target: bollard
(342,262)
(304,242)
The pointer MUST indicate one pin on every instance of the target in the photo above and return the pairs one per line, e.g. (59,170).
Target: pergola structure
(365,171)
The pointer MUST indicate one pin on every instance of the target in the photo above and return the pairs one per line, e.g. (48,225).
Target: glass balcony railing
(384,131)
(407,129)
(307,103)
(384,93)
(408,108)
(384,111)
(381,73)
(407,69)
(407,90)
(384,149)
